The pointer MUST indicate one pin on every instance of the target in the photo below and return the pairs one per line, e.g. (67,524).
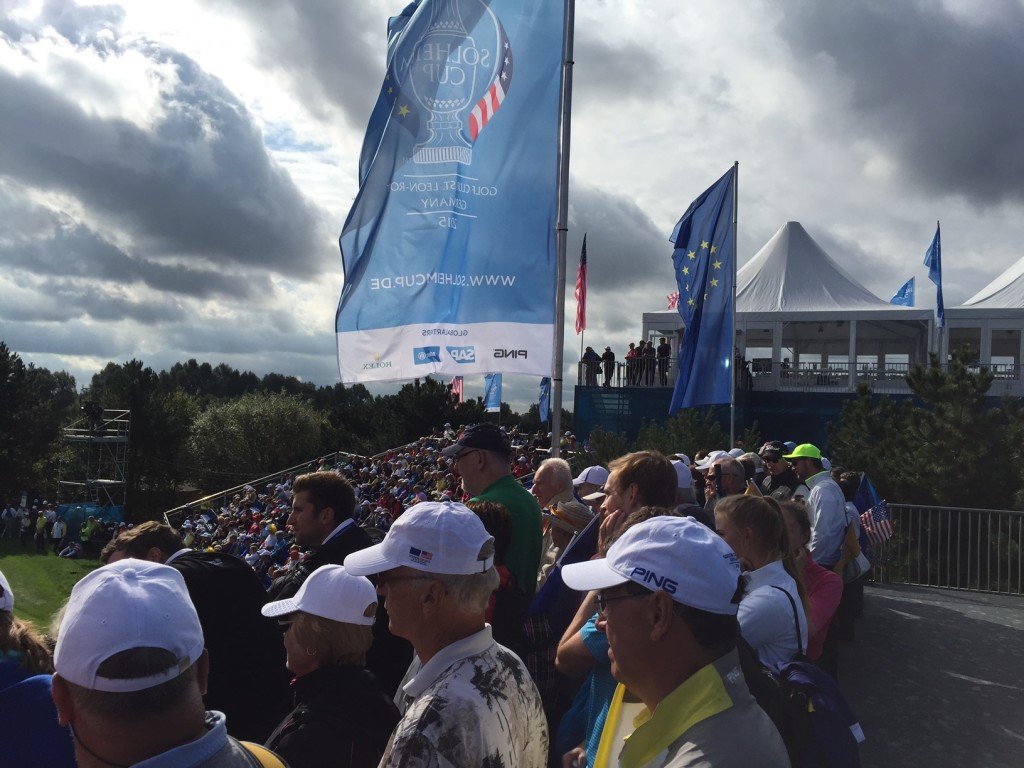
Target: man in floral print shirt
(467,700)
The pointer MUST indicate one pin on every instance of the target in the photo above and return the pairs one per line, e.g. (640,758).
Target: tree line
(206,426)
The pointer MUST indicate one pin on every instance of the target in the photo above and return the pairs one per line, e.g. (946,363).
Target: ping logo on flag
(424,355)
(420,556)
(462,354)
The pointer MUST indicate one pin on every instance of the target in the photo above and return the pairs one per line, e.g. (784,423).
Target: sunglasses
(602,601)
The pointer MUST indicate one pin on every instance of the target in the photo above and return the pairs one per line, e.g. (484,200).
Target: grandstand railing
(173,516)
(977,550)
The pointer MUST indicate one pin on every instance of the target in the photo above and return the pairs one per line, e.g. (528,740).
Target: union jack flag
(495,93)
(877,524)
(456,388)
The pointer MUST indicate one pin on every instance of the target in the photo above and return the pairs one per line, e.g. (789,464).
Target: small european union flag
(905,295)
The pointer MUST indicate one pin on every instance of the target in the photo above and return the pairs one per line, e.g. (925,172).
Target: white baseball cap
(6,595)
(124,605)
(331,593)
(736,452)
(708,460)
(682,457)
(676,555)
(596,475)
(433,536)
(684,479)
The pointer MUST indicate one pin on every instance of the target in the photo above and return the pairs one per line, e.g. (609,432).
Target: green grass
(41,583)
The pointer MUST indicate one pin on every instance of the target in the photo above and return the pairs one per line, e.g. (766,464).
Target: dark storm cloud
(65,338)
(332,52)
(624,247)
(944,94)
(54,244)
(199,184)
(613,69)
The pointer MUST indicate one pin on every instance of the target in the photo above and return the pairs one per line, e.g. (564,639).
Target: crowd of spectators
(591,581)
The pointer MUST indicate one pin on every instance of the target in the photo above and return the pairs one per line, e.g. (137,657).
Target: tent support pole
(732,339)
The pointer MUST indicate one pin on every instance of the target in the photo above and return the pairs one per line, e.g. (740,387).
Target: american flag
(877,524)
(581,290)
(673,299)
(493,97)
(456,387)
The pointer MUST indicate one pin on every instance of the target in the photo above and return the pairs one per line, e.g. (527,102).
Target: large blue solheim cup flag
(933,260)
(704,262)
(905,295)
(492,393)
(449,249)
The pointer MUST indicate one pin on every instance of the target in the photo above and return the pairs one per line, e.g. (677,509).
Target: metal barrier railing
(978,550)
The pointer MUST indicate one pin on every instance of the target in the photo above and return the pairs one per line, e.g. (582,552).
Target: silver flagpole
(562,225)
(735,258)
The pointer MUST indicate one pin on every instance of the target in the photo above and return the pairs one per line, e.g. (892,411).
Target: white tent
(792,273)
(1005,292)
(991,325)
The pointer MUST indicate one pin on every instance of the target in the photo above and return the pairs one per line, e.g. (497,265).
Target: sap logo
(660,582)
(510,353)
(424,355)
(376,364)
(462,354)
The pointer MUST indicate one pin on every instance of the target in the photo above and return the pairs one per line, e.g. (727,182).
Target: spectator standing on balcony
(608,360)
(826,505)
(781,482)
(591,361)
(632,365)
(664,353)
(649,357)
(481,455)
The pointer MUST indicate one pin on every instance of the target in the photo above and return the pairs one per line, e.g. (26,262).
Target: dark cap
(486,437)
(773,447)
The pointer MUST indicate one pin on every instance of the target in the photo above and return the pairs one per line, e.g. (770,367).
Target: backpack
(816,724)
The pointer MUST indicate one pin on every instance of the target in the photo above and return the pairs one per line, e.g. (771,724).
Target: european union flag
(704,260)
(933,260)
(905,295)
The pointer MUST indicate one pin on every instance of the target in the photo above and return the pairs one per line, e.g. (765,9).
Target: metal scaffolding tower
(95,464)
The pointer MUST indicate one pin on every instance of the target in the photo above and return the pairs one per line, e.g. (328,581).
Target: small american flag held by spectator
(581,290)
(673,300)
(877,524)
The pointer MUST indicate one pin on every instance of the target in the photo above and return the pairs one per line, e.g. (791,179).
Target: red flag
(456,387)
(581,290)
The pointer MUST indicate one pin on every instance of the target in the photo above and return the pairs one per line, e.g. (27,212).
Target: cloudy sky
(173,176)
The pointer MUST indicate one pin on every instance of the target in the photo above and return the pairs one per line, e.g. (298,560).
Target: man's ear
(203,671)
(633,494)
(661,609)
(326,515)
(62,700)
(156,555)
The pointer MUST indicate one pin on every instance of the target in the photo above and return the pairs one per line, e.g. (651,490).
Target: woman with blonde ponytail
(773,611)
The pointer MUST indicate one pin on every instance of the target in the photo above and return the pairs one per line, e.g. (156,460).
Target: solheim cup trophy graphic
(451,72)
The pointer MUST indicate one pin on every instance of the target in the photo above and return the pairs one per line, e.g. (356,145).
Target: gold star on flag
(687,287)
(691,255)
(686,270)
(714,282)
(704,244)
(714,248)
(403,111)
(705,297)
(691,302)
(717,264)
(391,90)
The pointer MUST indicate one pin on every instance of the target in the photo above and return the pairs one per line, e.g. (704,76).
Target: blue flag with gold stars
(704,261)
(933,260)
(449,248)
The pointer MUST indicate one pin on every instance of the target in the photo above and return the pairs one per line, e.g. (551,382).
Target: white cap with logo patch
(433,536)
(676,555)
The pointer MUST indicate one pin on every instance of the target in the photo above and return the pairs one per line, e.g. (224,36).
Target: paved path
(937,678)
